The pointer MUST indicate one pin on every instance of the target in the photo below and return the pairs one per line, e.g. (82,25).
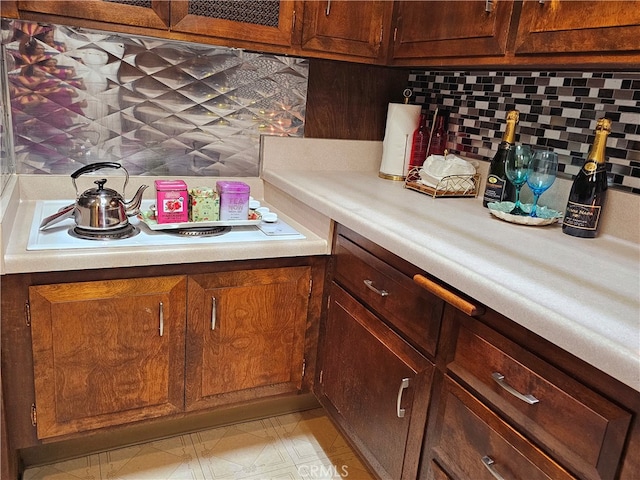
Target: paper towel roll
(402,120)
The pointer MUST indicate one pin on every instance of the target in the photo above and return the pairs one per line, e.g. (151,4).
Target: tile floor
(297,446)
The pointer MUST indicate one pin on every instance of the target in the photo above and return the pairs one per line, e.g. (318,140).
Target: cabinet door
(376,386)
(245,334)
(107,353)
(345,27)
(139,13)
(437,29)
(263,21)
(579,27)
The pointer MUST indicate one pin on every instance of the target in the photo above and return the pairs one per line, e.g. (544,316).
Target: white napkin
(437,167)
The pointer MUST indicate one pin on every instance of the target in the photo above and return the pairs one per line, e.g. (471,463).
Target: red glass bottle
(420,144)
(439,136)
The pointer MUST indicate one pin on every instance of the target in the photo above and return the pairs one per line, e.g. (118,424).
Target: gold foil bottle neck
(513,116)
(597,152)
(604,124)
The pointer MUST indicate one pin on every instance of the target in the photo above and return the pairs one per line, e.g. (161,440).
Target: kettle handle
(99,166)
(93,167)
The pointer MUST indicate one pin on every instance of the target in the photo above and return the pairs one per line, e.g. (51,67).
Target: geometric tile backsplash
(558,111)
(157,107)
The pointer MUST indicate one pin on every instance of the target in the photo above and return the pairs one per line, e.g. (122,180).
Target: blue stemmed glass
(543,169)
(516,169)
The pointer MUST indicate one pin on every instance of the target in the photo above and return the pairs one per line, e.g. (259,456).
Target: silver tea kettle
(99,209)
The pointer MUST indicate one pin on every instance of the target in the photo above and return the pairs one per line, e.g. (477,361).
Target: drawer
(579,428)
(474,443)
(409,309)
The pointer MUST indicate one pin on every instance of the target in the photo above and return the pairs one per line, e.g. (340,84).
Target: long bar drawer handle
(490,465)
(403,386)
(499,378)
(382,293)
(161,328)
(213,313)
(448,296)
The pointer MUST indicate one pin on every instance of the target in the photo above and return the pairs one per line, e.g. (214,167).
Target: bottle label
(584,217)
(494,190)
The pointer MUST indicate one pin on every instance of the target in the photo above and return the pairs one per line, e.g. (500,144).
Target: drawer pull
(490,465)
(403,386)
(448,296)
(382,293)
(499,378)
(213,313)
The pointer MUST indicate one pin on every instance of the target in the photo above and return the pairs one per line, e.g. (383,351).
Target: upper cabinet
(259,24)
(534,33)
(139,13)
(440,29)
(594,26)
(353,28)
(264,21)
(408,33)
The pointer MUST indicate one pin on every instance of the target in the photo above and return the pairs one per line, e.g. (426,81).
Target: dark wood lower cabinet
(246,333)
(107,353)
(376,386)
(94,353)
(497,400)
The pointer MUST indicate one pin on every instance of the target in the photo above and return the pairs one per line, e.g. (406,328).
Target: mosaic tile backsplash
(158,107)
(558,111)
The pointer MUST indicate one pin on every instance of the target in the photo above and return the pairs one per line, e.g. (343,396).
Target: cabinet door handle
(213,313)
(403,386)
(490,465)
(328,10)
(161,315)
(448,296)
(499,378)
(382,293)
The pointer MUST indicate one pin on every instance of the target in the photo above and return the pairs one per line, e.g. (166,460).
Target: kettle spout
(133,206)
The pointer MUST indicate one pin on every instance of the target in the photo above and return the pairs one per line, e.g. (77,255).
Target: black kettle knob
(101,183)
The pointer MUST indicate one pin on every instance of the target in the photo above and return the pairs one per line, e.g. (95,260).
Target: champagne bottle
(498,188)
(589,189)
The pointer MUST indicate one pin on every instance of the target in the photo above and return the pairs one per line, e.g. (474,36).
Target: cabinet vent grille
(257,12)
(135,3)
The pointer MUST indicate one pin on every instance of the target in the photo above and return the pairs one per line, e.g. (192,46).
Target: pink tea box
(172,201)
(234,200)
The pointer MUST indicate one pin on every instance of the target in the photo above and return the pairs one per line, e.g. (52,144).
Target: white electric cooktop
(57,237)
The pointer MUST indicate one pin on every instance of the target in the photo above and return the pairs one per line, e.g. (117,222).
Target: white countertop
(581,294)
(17,259)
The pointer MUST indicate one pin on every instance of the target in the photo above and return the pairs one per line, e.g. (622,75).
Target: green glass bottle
(498,188)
